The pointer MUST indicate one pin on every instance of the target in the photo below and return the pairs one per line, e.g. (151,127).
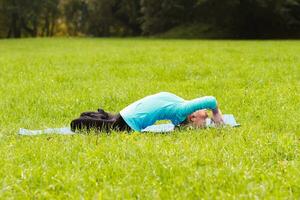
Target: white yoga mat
(160,128)
(61,131)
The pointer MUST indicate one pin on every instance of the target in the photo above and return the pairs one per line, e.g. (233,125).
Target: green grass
(48,82)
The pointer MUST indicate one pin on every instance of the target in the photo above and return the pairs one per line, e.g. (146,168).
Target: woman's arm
(217,116)
(207,102)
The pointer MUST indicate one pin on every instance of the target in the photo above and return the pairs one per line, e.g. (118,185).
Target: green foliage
(159,16)
(48,82)
(102,18)
(76,12)
(28,17)
(230,18)
(128,14)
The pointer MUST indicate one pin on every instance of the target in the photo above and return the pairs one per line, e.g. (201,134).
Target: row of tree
(227,18)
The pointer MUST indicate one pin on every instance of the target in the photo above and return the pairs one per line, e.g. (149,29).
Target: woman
(146,111)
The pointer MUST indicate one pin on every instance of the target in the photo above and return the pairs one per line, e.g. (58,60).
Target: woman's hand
(217,117)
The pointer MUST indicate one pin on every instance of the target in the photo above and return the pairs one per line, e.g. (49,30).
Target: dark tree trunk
(52,24)
(15,26)
(9,32)
(46,27)
(14,29)
(35,28)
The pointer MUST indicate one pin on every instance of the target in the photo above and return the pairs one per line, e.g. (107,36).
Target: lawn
(48,82)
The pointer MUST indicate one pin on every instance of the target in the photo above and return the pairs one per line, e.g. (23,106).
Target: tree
(227,18)
(76,14)
(160,15)
(291,14)
(49,15)
(127,16)
(100,17)
(23,17)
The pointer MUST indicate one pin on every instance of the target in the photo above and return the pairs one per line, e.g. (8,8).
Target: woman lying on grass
(148,110)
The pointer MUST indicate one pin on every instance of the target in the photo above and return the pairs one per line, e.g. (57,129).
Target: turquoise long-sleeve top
(163,106)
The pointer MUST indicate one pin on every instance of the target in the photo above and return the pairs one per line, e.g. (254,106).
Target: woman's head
(198,119)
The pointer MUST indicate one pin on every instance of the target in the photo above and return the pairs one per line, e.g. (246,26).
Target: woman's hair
(185,122)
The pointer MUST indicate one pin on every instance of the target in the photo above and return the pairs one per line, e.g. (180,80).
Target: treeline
(169,18)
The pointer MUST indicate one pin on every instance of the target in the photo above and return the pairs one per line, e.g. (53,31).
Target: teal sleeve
(208,102)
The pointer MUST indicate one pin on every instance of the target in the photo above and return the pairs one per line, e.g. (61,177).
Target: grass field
(48,82)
